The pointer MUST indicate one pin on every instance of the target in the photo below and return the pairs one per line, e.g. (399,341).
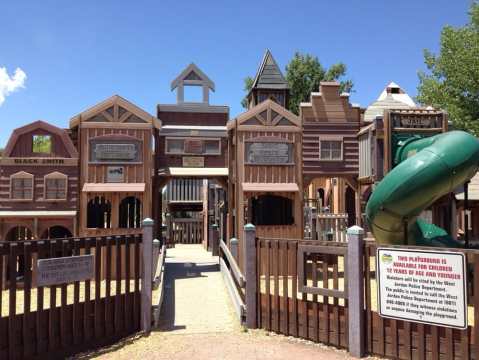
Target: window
(42,144)
(55,186)
(21,186)
(272,210)
(193,146)
(331,150)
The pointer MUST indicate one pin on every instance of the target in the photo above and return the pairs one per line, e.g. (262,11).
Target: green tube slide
(428,168)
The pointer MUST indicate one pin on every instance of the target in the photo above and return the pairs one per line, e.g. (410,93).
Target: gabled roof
(115,109)
(269,76)
(268,113)
(192,75)
(39,124)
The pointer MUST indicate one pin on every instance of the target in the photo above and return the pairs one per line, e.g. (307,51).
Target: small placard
(64,270)
(422,286)
(115,174)
(193,161)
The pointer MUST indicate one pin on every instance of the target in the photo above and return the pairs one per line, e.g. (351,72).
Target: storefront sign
(63,270)
(268,153)
(39,161)
(193,146)
(115,174)
(193,161)
(422,286)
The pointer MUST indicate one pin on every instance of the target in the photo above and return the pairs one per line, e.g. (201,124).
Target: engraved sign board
(193,161)
(114,151)
(115,174)
(63,270)
(422,286)
(417,121)
(268,153)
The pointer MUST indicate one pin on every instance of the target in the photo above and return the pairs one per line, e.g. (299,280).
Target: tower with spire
(269,83)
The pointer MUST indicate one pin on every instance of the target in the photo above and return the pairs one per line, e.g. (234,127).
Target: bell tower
(269,83)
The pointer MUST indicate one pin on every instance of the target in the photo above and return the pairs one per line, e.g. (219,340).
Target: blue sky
(77,53)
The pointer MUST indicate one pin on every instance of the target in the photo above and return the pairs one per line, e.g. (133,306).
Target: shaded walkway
(196,299)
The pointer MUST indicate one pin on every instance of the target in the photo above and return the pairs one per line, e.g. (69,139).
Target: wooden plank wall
(55,321)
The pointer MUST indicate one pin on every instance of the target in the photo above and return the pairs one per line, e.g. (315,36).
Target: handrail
(233,265)
(158,282)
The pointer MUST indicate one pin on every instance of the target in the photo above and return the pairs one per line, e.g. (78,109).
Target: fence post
(215,240)
(314,224)
(355,275)
(250,274)
(234,248)
(155,257)
(146,281)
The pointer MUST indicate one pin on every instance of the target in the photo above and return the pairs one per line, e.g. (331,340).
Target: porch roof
(270,187)
(114,187)
(196,171)
(41,213)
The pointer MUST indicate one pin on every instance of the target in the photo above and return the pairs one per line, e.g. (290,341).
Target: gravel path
(198,321)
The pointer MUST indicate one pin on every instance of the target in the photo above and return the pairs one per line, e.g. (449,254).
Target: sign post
(422,286)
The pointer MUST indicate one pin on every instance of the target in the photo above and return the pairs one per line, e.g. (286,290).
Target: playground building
(268,192)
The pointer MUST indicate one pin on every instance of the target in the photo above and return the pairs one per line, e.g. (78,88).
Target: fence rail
(67,318)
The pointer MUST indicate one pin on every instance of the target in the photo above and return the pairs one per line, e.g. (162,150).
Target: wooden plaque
(193,161)
(65,270)
(268,153)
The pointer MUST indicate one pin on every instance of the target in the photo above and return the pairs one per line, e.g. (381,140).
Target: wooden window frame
(331,138)
(51,144)
(22,175)
(56,176)
(188,153)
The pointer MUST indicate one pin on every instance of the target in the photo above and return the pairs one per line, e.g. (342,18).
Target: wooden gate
(58,320)
(186,231)
(303,289)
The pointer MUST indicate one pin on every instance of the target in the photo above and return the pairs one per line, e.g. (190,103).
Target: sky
(70,55)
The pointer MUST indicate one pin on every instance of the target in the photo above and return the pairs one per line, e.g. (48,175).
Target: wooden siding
(23,145)
(192,118)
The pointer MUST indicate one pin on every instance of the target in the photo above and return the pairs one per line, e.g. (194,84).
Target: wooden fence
(408,340)
(64,319)
(186,231)
(326,291)
(301,289)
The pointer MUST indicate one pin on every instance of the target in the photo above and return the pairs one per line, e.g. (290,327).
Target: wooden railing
(159,256)
(233,277)
(186,231)
(329,227)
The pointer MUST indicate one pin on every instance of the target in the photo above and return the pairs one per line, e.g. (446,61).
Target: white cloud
(9,84)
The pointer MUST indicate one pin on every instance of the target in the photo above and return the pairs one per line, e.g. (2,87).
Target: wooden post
(215,240)
(356,291)
(234,248)
(147,276)
(314,222)
(250,274)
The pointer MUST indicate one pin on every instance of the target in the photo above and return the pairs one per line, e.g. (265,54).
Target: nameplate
(65,270)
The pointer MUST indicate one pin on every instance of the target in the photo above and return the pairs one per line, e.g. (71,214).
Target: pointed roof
(392,97)
(269,76)
(192,75)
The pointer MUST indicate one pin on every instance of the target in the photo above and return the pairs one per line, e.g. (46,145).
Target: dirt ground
(237,345)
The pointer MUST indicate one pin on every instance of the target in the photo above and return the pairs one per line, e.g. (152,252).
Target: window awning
(187,171)
(41,213)
(270,187)
(114,187)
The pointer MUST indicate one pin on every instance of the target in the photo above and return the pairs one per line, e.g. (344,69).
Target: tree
(303,74)
(452,80)
(248,84)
